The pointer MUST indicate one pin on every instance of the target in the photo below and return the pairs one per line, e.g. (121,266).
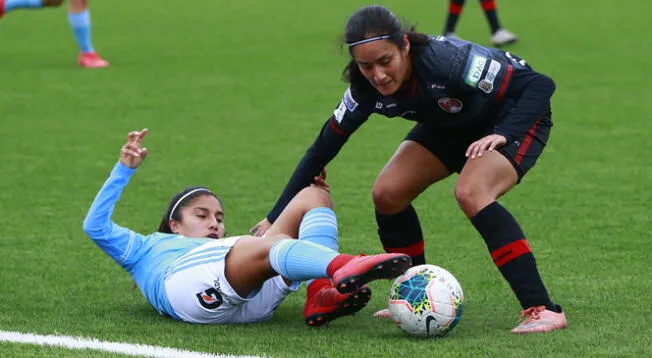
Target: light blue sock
(81,27)
(319,225)
(299,260)
(22,4)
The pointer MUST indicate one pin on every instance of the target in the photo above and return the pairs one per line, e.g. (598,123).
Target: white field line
(140,350)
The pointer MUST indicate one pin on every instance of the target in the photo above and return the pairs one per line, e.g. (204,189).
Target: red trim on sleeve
(412,250)
(336,129)
(510,251)
(503,85)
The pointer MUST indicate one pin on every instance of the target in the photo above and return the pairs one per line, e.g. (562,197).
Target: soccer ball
(426,301)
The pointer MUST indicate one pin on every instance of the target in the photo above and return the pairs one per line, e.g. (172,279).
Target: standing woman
(480,112)
(499,36)
(79,18)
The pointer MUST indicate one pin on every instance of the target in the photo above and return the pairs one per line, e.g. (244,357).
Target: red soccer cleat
(325,304)
(92,60)
(2,8)
(362,269)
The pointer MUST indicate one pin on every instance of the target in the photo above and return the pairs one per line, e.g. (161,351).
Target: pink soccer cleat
(539,319)
(92,60)
(362,269)
(324,303)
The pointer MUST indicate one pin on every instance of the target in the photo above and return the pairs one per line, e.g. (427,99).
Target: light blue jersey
(146,258)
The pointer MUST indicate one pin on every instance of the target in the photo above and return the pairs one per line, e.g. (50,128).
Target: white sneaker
(503,37)
(451,35)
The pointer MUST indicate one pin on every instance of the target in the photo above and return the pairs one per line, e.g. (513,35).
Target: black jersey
(454,83)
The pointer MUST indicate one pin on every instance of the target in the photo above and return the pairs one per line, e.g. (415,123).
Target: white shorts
(199,292)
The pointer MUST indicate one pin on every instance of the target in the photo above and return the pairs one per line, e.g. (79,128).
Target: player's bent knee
(386,201)
(471,198)
(315,197)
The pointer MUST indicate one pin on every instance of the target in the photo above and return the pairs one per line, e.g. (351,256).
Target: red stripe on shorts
(522,149)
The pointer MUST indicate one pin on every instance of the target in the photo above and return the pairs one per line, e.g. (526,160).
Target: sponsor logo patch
(348,100)
(450,105)
(494,67)
(338,113)
(210,299)
(379,105)
(486,84)
(475,70)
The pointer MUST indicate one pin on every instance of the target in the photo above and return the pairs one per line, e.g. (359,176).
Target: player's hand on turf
(261,228)
(320,181)
(485,144)
(132,153)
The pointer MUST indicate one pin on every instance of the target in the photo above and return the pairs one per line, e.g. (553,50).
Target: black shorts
(450,144)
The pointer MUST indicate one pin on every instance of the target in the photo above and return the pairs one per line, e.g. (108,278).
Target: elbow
(88,227)
(93,230)
(548,84)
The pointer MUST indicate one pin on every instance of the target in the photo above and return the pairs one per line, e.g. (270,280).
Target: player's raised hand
(132,153)
(485,144)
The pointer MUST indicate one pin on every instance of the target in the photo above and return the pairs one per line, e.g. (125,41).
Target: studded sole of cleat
(387,269)
(347,307)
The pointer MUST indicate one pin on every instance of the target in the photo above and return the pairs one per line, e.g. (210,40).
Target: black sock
(489,7)
(512,255)
(401,233)
(454,10)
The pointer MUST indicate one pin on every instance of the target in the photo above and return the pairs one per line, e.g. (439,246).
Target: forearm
(98,223)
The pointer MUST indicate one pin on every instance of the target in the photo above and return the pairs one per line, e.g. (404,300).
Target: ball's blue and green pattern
(413,291)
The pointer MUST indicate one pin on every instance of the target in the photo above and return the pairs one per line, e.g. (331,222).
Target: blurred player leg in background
(10,5)
(80,21)
(499,36)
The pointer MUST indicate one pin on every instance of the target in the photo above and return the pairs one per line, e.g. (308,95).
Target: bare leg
(247,264)
(307,199)
(482,181)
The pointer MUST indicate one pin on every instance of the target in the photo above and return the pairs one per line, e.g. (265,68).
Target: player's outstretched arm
(98,225)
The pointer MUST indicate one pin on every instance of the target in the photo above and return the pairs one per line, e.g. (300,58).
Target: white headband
(369,40)
(395,35)
(185,196)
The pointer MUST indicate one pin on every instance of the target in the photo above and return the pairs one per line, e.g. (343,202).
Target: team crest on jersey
(450,105)
(210,299)
(485,86)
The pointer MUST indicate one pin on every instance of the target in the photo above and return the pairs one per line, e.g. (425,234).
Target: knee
(468,197)
(386,200)
(314,197)
(52,3)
